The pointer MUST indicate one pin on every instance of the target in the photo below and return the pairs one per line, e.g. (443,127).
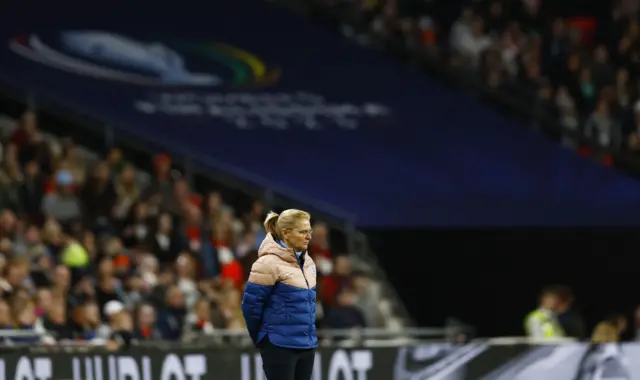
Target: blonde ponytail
(271,224)
(275,223)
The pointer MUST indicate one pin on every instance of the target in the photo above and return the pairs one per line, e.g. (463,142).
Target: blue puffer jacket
(280,297)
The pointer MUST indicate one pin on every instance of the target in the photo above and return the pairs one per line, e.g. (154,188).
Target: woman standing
(279,303)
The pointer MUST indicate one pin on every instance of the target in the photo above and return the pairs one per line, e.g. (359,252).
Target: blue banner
(251,85)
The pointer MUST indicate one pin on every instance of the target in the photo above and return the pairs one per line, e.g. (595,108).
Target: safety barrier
(367,337)
(478,360)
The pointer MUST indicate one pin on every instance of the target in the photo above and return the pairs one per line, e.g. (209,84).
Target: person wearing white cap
(110,310)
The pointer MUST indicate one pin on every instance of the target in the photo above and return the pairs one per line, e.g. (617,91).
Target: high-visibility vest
(541,322)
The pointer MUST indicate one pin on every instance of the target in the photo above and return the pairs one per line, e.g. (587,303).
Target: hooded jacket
(280,297)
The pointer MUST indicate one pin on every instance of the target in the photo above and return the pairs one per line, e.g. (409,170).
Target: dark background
(491,278)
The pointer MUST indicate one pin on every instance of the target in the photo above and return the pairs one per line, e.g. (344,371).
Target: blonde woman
(604,359)
(279,303)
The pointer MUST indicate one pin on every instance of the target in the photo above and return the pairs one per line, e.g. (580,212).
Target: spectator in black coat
(32,191)
(165,243)
(171,319)
(570,319)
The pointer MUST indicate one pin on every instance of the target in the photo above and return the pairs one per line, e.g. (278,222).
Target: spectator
(99,195)
(542,323)
(601,127)
(122,332)
(71,160)
(166,244)
(247,252)
(634,137)
(107,290)
(115,161)
(111,312)
(620,322)
(6,321)
(136,228)
(25,319)
(367,299)
(162,184)
(62,204)
(172,319)
(320,249)
(10,177)
(186,276)
(524,52)
(73,247)
(230,308)
(198,322)
(471,42)
(86,321)
(345,315)
(570,320)
(127,191)
(145,326)
(604,355)
(337,280)
(32,191)
(55,321)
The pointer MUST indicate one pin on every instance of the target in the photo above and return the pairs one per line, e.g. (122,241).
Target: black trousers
(281,363)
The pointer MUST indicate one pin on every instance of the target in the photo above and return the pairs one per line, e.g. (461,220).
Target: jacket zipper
(308,291)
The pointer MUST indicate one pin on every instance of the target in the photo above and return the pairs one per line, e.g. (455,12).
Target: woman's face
(115,156)
(203,310)
(53,232)
(128,175)
(146,316)
(141,212)
(165,224)
(106,267)
(215,201)
(184,266)
(298,238)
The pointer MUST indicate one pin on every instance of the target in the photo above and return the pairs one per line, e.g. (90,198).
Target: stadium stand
(572,71)
(90,241)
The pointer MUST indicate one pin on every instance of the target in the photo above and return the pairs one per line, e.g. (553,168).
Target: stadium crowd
(91,247)
(580,73)
(576,73)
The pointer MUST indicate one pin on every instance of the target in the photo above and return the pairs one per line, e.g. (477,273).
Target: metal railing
(366,337)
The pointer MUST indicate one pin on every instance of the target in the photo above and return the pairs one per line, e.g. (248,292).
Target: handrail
(357,335)
(414,332)
(333,333)
(209,341)
(11,333)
